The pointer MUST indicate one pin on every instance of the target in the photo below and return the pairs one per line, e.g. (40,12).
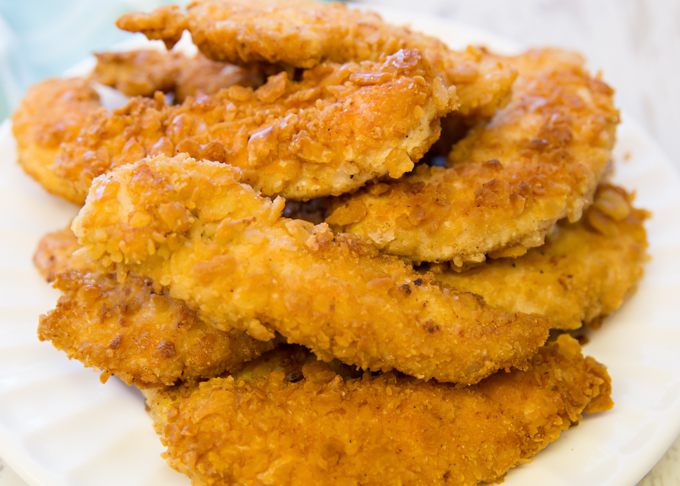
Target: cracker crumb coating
(331,132)
(508,181)
(227,252)
(128,329)
(583,273)
(142,72)
(287,419)
(303,34)
(52,112)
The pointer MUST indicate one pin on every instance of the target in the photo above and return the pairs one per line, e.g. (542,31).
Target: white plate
(59,426)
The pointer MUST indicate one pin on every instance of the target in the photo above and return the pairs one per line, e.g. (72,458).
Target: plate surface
(59,426)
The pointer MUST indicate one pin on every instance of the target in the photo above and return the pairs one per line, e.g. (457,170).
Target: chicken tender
(227,252)
(331,132)
(57,253)
(507,182)
(583,273)
(287,419)
(304,33)
(52,112)
(143,72)
(128,329)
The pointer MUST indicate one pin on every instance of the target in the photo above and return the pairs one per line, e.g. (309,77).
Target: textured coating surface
(583,273)
(303,33)
(228,253)
(287,419)
(52,112)
(128,329)
(331,132)
(509,180)
(143,72)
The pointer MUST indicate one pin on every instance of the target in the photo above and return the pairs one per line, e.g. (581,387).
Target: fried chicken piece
(143,72)
(57,253)
(583,273)
(304,33)
(338,127)
(287,419)
(53,111)
(199,75)
(507,182)
(139,72)
(227,252)
(138,335)
(128,329)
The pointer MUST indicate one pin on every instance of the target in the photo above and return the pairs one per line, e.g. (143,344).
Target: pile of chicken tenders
(331,250)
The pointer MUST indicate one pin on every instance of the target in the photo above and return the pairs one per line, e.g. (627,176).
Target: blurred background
(636,44)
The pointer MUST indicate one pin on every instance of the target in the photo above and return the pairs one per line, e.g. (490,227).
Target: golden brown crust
(52,112)
(509,180)
(226,251)
(339,127)
(139,72)
(57,253)
(128,329)
(583,273)
(143,72)
(166,23)
(287,419)
(304,33)
(142,337)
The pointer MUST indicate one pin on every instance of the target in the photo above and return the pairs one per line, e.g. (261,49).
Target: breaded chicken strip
(338,127)
(227,252)
(303,33)
(508,181)
(287,419)
(55,110)
(128,329)
(583,273)
(143,72)
(52,112)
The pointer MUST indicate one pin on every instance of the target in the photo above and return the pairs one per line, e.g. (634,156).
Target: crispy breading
(304,33)
(583,273)
(128,329)
(52,112)
(287,419)
(144,71)
(329,133)
(508,181)
(165,23)
(139,72)
(57,253)
(227,252)
(199,75)
(55,110)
